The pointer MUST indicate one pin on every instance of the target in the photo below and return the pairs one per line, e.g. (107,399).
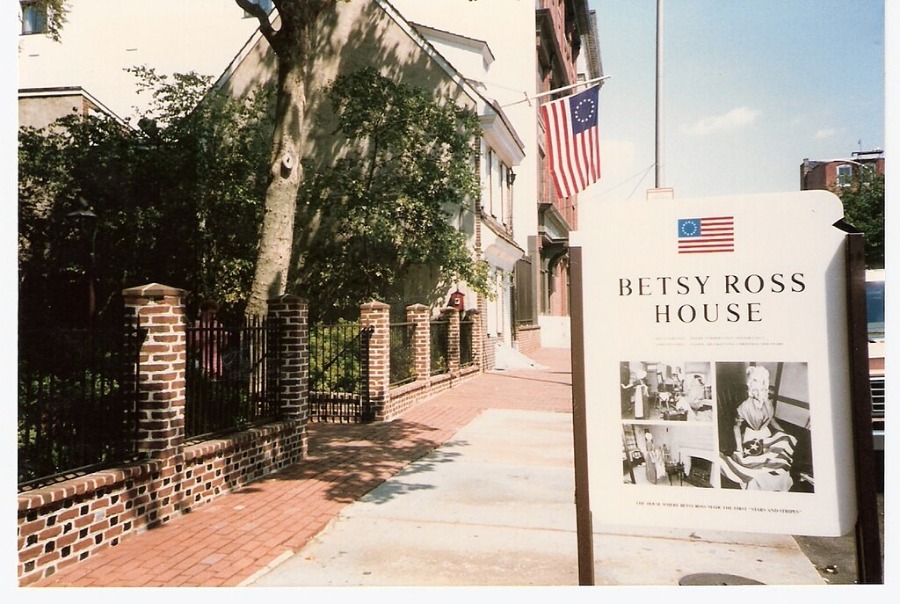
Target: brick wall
(65,523)
(528,338)
(399,399)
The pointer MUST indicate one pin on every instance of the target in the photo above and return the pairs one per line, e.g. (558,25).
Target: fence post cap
(375,305)
(417,307)
(153,290)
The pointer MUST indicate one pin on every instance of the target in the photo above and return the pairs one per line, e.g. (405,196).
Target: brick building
(834,174)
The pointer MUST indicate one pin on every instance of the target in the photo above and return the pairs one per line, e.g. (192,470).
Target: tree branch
(265,27)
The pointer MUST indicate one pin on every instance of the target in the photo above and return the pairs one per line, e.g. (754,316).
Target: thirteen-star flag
(706,235)
(573,141)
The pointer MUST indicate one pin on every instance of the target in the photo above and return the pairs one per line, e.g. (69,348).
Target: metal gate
(339,373)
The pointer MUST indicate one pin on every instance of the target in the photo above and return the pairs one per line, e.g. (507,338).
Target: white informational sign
(716,363)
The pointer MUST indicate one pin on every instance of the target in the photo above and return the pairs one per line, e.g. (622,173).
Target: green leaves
(388,206)
(178,200)
(863,200)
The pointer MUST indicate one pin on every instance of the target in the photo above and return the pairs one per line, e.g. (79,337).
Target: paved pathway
(474,487)
(240,535)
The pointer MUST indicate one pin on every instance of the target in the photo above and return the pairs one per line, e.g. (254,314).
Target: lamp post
(86,220)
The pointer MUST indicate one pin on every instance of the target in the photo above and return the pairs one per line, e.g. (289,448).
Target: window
(497,189)
(34,18)
(492,180)
(265,4)
(844,175)
(504,191)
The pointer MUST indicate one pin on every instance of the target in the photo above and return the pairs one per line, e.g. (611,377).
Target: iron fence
(402,363)
(339,373)
(440,347)
(77,401)
(232,377)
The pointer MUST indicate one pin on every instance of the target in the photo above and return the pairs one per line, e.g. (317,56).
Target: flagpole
(660,134)
(528,99)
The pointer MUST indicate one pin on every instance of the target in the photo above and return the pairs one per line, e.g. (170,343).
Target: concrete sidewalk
(494,507)
(472,487)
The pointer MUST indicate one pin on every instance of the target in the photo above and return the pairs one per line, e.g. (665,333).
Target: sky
(750,89)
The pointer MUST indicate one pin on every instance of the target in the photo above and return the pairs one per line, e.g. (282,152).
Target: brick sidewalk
(228,541)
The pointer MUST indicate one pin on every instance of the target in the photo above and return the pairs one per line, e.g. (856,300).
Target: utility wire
(644,175)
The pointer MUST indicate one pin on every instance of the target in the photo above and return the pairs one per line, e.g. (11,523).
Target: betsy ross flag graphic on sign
(573,141)
(706,235)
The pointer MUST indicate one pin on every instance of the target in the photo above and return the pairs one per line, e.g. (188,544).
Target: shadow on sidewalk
(353,459)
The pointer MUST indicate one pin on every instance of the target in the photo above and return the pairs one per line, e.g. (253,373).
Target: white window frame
(504,188)
(492,160)
(843,180)
(498,197)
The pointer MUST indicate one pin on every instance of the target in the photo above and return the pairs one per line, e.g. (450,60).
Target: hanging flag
(573,141)
(705,235)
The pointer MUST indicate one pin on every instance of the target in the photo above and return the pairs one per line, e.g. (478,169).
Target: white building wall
(201,36)
(508,28)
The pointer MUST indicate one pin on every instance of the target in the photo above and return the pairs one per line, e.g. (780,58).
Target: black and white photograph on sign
(666,391)
(764,426)
(676,455)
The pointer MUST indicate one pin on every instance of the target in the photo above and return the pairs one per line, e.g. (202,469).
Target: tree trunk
(276,237)
(292,44)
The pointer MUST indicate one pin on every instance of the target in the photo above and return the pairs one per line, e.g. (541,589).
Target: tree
(178,201)
(192,185)
(292,44)
(385,208)
(863,200)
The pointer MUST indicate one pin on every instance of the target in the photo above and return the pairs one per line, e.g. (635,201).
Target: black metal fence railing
(466,343)
(339,373)
(403,363)
(440,347)
(232,377)
(77,401)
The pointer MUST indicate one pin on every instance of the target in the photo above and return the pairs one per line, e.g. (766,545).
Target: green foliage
(178,200)
(863,200)
(334,357)
(386,206)
(402,353)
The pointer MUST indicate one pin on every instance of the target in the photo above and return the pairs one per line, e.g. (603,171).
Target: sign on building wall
(716,363)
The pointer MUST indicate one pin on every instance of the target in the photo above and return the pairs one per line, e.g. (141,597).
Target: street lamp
(86,220)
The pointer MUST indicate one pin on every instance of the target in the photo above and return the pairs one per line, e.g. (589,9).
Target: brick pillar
(376,316)
(420,315)
(451,315)
(292,314)
(474,315)
(485,343)
(160,311)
